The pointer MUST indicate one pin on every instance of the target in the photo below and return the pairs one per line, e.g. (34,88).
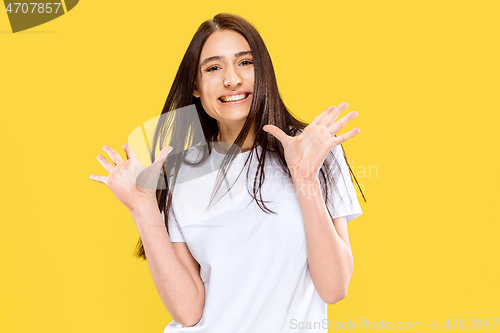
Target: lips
(233,98)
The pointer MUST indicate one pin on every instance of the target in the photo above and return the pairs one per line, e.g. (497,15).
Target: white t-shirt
(253,265)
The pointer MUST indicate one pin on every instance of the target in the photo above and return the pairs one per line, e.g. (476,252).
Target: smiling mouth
(234,98)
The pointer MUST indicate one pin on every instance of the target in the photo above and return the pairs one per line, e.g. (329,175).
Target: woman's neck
(224,140)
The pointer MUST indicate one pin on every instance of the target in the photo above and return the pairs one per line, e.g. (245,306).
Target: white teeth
(233,98)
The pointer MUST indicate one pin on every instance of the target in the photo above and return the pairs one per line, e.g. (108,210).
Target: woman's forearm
(329,257)
(177,289)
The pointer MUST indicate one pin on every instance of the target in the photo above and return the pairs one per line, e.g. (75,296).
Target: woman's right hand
(130,181)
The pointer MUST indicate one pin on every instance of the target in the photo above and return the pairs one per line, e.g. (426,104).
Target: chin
(233,121)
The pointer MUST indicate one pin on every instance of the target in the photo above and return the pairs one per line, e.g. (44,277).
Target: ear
(196,93)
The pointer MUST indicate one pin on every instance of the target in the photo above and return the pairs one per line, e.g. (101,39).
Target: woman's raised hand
(130,181)
(306,152)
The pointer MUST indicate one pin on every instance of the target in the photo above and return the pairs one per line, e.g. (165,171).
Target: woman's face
(225,78)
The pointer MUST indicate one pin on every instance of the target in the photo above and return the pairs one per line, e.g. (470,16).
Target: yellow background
(423,76)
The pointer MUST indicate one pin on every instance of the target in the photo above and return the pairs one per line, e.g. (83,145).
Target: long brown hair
(266,108)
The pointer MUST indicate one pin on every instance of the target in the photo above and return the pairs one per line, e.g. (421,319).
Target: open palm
(306,152)
(130,181)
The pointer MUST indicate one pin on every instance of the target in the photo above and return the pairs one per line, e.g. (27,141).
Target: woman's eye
(214,68)
(209,69)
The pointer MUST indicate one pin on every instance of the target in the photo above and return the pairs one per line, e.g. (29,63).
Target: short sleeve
(342,200)
(173,227)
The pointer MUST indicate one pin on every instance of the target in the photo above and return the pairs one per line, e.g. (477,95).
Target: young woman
(265,257)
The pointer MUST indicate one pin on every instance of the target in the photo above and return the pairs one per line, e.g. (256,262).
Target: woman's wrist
(146,212)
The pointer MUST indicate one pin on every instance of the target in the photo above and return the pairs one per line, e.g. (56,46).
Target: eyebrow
(214,58)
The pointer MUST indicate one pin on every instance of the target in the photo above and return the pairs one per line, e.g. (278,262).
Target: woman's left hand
(305,153)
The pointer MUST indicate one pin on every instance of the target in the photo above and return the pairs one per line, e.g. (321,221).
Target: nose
(232,78)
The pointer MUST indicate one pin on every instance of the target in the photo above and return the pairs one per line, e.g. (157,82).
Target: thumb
(162,156)
(276,132)
(148,178)
(160,159)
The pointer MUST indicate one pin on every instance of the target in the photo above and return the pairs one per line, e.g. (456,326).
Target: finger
(337,126)
(346,136)
(115,157)
(148,178)
(162,156)
(105,163)
(97,178)
(129,151)
(332,117)
(323,114)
